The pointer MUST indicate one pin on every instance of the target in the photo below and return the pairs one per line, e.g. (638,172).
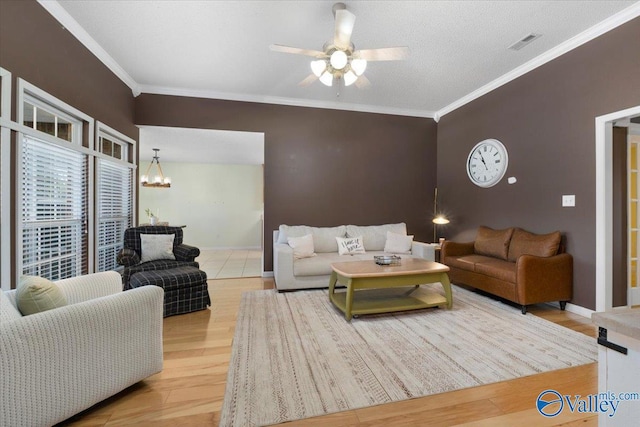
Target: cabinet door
(622,376)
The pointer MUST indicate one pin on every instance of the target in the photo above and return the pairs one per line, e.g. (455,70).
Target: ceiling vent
(524,41)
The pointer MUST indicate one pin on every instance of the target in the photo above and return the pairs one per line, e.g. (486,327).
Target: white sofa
(59,362)
(314,272)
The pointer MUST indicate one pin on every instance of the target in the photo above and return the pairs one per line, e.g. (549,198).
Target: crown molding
(71,25)
(597,30)
(160,90)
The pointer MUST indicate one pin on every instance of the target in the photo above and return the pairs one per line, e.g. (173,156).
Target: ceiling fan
(338,58)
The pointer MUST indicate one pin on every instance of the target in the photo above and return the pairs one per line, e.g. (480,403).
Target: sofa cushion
(375,236)
(500,269)
(7,310)
(494,243)
(350,245)
(466,262)
(302,246)
(321,264)
(398,243)
(525,243)
(324,238)
(36,294)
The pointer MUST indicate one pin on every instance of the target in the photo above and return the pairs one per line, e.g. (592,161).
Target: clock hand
(483,162)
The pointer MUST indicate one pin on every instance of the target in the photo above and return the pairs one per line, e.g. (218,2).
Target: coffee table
(373,282)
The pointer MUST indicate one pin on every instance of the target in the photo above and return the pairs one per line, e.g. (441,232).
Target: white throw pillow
(302,246)
(398,243)
(156,246)
(350,245)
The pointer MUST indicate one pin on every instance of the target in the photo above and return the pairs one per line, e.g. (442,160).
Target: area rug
(294,356)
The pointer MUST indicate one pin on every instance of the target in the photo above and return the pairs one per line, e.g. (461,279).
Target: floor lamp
(438,219)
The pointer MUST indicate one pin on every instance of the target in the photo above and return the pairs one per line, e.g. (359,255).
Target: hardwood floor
(197,348)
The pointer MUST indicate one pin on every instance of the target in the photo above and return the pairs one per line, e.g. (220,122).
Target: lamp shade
(358,66)
(338,60)
(440,220)
(318,67)
(326,78)
(349,78)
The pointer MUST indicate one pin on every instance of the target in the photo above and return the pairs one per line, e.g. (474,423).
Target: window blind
(114,192)
(53,217)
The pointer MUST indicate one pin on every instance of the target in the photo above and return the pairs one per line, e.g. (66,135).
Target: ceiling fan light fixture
(326,78)
(338,60)
(358,66)
(318,67)
(350,78)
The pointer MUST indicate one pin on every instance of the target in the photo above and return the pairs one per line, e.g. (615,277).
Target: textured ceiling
(221,48)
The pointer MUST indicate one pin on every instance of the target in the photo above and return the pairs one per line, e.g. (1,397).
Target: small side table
(436,250)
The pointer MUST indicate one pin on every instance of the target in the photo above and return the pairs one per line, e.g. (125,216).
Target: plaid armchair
(129,256)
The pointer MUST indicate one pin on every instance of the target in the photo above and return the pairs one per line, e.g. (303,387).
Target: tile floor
(230,263)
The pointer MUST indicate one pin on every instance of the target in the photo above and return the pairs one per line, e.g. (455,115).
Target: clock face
(487,163)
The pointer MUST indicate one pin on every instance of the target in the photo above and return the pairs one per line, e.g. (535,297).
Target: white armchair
(60,362)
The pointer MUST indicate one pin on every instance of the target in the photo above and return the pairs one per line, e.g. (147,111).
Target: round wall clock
(487,163)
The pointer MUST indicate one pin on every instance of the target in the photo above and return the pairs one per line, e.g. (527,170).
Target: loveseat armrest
(455,249)
(283,266)
(128,257)
(184,252)
(544,279)
(423,250)
(60,362)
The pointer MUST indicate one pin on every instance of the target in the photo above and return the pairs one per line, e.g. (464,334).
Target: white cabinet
(619,373)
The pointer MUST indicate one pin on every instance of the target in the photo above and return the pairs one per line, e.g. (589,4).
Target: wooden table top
(407,266)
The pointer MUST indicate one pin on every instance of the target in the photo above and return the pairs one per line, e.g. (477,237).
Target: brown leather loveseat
(514,264)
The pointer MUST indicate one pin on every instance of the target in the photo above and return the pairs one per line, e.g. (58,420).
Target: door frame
(604,205)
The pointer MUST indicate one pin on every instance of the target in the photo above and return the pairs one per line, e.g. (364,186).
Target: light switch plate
(568,200)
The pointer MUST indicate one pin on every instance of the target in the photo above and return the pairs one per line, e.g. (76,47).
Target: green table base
(374,294)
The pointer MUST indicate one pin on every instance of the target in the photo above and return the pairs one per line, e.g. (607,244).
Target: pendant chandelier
(159,180)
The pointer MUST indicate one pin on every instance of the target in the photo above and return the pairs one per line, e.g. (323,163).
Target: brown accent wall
(35,47)
(546,120)
(620,205)
(323,167)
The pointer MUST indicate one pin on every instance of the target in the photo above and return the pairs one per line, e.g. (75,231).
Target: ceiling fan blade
(362,82)
(297,50)
(308,80)
(345,21)
(383,54)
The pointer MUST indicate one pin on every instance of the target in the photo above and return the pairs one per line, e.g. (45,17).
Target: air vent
(524,41)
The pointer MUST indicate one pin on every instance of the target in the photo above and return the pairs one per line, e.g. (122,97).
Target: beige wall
(221,205)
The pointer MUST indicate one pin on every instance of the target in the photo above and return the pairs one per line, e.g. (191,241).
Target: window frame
(5,179)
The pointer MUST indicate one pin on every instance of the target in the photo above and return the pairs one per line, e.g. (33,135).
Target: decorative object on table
(441,241)
(487,163)
(438,217)
(338,60)
(398,356)
(387,259)
(153,219)
(159,180)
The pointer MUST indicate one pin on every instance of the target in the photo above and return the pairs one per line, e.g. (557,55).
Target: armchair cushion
(36,294)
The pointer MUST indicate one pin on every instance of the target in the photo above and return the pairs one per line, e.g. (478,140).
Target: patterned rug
(294,356)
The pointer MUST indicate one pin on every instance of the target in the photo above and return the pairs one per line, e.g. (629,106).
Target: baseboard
(267,274)
(231,248)
(576,309)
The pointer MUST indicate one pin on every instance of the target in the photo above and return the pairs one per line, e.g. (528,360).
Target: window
(53,213)
(54,178)
(114,186)
(5,178)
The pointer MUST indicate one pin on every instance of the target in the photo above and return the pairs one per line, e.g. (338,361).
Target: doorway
(217,193)
(604,208)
